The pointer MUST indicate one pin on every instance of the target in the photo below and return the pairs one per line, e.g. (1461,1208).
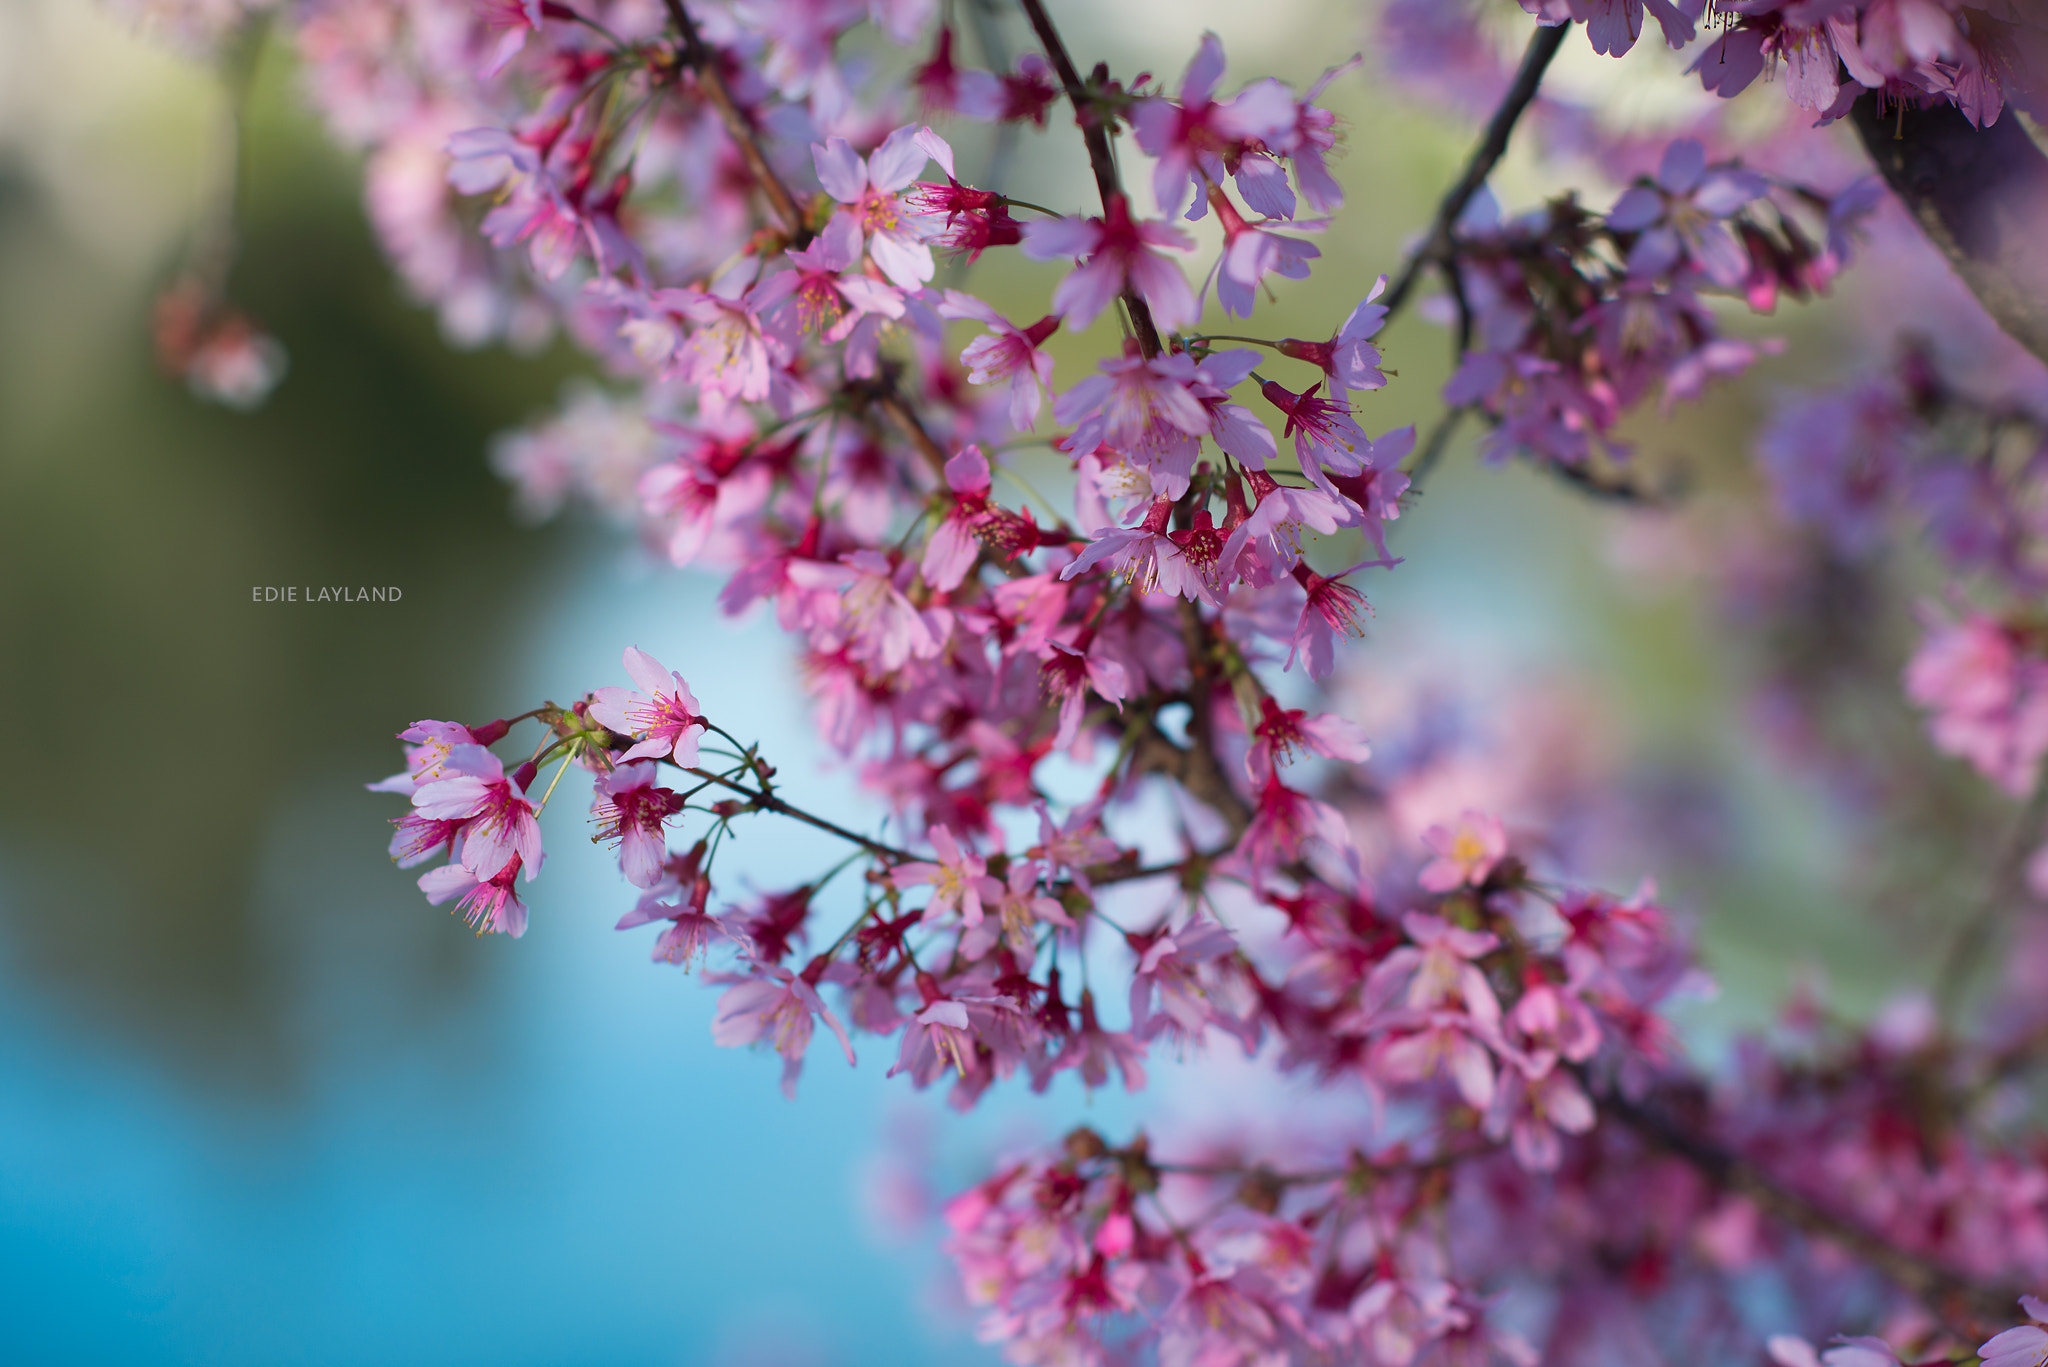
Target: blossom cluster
(1573,317)
(744,223)
(1825,54)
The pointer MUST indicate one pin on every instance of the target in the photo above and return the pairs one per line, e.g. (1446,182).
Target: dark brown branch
(702,60)
(905,417)
(1196,770)
(1100,158)
(768,802)
(1433,449)
(1437,246)
(1612,490)
(1969,1309)
(1980,195)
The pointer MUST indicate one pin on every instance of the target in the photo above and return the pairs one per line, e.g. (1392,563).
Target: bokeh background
(260,1104)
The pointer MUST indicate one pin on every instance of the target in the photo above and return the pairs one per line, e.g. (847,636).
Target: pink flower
(428,745)
(1349,360)
(516,19)
(487,904)
(1006,353)
(1232,426)
(953,546)
(708,487)
(1681,218)
(828,295)
(662,716)
(1465,852)
(2025,1346)
(1273,529)
(1532,1113)
(1988,696)
(1093,1051)
(1438,970)
(1252,251)
(1612,25)
(1147,556)
(1444,1045)
(946,86)
(418,838)
(1332,607)
(630,810)
(1070,672)
(1119,252)
(1147,409)
(690,929)
(1322,430)
(1376,494)
(1191,974)
(940,1034)
(868,187)
(1553,1023)
(871,617)
(780,1006)
(727,350)
(498,822)
(1281,732)
(959,880)
(1192,136)
(1285,825)
(974,220)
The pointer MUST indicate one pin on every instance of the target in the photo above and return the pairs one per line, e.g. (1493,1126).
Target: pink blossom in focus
(1118,251)
(869,188)
(498,822)
(490,904)
(631,810)
(662,717)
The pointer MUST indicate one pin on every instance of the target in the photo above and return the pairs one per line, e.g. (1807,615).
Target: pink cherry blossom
(959,880)
(498,824)
(489,904)
(870,189)
(1466,852)
(662,716)
(631,811)
(1007,352)
(1119,252)
(779,1006)
(2024,1346)
(1191,136)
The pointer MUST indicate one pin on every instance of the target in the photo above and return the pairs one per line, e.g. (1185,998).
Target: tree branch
(1100,158)
(768,802)
(1436,247)
(1970,1309)
(1980,195)
(711,81)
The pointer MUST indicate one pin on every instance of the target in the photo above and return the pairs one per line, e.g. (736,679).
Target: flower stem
(1100,158)
(1437,247)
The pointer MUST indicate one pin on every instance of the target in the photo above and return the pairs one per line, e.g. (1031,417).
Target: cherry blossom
(662,717)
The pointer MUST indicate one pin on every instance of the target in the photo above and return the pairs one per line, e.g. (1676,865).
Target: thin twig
(768,802)
(711,81)
(1433,449)
(2006,870)
(1437,246)
(901,413)
(1100,158)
